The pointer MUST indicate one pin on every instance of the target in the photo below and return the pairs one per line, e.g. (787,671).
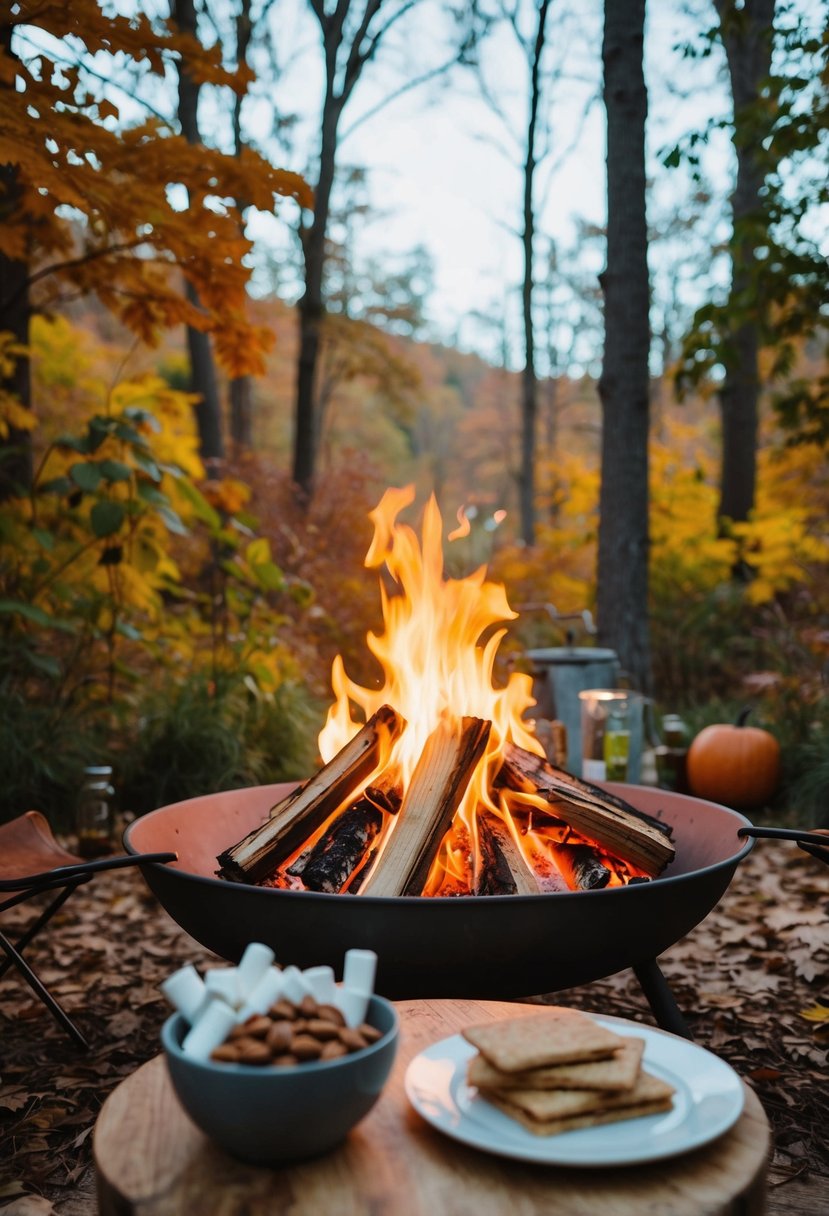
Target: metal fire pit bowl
(486,947)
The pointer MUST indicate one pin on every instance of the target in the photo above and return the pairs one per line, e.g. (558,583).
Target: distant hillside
(408,410)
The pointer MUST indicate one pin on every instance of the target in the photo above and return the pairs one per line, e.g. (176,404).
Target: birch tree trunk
(623,526)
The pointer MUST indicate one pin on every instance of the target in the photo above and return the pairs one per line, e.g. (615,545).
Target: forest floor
(752,979)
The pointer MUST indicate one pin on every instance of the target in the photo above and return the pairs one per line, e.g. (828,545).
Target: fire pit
(468,946)
(434,799)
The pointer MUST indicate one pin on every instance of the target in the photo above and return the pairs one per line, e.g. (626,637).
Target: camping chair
(31,863)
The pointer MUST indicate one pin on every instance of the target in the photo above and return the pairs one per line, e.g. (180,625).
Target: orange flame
(437,652)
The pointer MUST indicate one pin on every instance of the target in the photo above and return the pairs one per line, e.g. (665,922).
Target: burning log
(503,870)
(385,792)
(600,816)
(298,816)
(339,851)
(429,804)
(581,866)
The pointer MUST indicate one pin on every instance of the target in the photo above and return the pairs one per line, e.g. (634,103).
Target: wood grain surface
(152,1161)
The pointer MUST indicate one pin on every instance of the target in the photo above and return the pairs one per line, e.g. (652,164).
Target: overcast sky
(445,171)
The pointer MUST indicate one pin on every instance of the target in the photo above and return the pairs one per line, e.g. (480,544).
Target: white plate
(707,1102)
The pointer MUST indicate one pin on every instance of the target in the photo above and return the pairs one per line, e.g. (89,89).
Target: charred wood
(581,866)
(620,829)
(342,847)
(385,792)
(503,870)
(306,809)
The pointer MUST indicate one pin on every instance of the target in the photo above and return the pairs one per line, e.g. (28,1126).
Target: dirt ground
(752,980)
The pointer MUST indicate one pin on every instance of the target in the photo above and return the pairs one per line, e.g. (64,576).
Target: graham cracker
(544,1105)
(556,1036)
(619,1072)
(554,1127)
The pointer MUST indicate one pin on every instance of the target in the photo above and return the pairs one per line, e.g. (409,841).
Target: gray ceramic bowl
(272,1115)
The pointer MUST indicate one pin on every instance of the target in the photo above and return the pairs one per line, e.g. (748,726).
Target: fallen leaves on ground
(752,980)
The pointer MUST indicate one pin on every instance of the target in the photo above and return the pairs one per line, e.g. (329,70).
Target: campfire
(439,786)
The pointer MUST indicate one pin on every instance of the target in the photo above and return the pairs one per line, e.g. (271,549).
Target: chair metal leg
(48,1000)
(47,913)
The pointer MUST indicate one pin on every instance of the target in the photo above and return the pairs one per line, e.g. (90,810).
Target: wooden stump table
(152,1161)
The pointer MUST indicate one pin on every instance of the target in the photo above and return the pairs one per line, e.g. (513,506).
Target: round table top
(150,1158)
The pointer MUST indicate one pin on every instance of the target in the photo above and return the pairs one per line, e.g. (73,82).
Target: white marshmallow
(186,992)
(222,982)
(211,1028)
(294,987)
(320,980)
(360,970)
(252,966)
(268,990)
(352,1005)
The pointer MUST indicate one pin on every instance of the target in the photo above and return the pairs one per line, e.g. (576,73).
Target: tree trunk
(15,316)
(241,411)
(311,306)
(529,379)
(623,387)
(241,387)
(203,379)
(747,37)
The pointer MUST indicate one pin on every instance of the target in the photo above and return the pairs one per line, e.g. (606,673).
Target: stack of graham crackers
(559,1070)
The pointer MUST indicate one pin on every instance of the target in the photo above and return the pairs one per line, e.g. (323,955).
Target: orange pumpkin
(737,765)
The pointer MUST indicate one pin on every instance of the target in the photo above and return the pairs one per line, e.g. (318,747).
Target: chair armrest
(84,869)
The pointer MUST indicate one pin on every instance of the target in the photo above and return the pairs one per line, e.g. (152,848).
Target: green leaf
(148,466)
(199,504)
(45,664)
(87,476)
(99,430)
(129,434)
(173,521)
(45,539)
(106,517)
(115,470)
(136,414)
(57,485)
(302,593)
(128,631)
(74,443)
(269,576)
(152,496)
(37,615)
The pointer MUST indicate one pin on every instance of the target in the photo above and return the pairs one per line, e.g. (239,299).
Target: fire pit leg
(660,998)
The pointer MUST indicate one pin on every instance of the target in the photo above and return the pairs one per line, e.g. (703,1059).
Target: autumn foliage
(91,201)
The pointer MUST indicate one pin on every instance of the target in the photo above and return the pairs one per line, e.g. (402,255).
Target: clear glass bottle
(95,812)
(671,756)
(649,773)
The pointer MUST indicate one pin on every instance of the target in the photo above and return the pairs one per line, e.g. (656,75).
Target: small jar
(95,812)
(672,755)
(674,731)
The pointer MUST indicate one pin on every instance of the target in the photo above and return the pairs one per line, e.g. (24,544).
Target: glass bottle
(649,773)
(672,755)
(617,742)
(95,813)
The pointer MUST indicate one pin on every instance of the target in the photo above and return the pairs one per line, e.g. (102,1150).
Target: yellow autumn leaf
(816,1013)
